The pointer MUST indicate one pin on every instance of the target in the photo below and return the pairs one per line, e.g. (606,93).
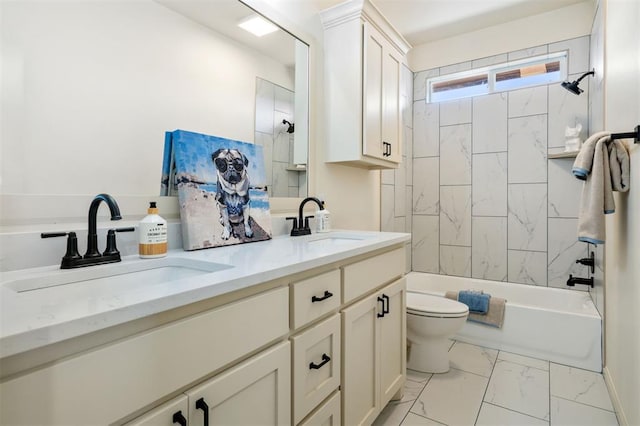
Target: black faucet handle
(306,221)
(127,229)
(71,254)
(295,221)
(112,249)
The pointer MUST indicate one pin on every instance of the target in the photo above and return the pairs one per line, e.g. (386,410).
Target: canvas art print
(221,189)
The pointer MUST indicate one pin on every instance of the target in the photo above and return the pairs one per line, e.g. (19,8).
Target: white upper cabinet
(363,59)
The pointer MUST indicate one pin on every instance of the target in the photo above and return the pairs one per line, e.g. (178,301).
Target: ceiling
(423,21)
(419,21)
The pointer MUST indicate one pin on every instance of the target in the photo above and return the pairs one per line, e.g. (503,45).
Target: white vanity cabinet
(323,346)
(363,59)
(374,336)
(109,383)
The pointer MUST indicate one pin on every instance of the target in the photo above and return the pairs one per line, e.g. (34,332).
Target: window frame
(492,71)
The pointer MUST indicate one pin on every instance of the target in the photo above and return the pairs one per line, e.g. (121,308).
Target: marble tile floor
(494,388)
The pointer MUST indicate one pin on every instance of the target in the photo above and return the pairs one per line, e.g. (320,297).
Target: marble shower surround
(487,203)
(273,104)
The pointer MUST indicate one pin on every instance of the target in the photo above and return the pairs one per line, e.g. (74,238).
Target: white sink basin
(336,239)
(126,273)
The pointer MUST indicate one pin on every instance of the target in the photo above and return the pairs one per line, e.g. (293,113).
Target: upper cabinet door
(391,131)
(381,97)
(372,96)
(363,60)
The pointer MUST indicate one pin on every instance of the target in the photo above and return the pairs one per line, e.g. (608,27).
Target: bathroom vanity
(288,331)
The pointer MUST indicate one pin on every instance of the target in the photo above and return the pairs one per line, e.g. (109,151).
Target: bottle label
(152,233)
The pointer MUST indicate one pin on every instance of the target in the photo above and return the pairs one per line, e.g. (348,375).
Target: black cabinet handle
(201,405)
(385,311)
(380,315)
(179,418)
(386,149)
(327,294)
(325,359)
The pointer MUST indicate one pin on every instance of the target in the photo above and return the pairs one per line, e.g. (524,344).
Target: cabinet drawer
(316,366)
(362,277)
(328,414)
(106,384)
(314,297)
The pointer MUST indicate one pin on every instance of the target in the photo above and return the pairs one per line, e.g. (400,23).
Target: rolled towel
(494,316)
(477,302)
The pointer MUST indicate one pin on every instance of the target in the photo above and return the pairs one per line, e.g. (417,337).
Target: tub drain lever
(572,281)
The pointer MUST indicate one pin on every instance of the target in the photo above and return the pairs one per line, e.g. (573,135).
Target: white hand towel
(605,167)
(619,164)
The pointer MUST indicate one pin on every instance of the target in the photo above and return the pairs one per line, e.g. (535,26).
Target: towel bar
(630,135)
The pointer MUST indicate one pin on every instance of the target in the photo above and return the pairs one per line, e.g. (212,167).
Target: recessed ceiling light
(257,25)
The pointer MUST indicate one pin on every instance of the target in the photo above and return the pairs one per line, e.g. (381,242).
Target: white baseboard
(615,400)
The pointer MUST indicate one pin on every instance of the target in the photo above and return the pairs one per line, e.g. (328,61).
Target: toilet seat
(427,305)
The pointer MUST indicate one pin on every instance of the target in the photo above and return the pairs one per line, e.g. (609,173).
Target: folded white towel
(605,167)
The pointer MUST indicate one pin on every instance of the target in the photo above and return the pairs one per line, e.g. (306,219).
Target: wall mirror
(88,90)
(281,107)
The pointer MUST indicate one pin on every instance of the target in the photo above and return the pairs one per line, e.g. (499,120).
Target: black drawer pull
(327,294)
(325,359)
(385,311)
(380,315)
(179,418)
(201,405)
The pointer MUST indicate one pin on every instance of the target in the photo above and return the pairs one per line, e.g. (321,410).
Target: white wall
(88,89)
(561,24)
(622,267)
(352,194)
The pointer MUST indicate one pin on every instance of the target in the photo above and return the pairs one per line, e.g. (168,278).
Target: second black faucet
(300,228)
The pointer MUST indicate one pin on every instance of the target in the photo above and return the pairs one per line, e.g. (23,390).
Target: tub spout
(572,281)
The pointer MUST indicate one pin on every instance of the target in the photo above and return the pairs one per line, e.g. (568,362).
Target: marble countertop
(40,306)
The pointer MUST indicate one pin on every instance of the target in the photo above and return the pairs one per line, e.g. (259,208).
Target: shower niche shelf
(570,154)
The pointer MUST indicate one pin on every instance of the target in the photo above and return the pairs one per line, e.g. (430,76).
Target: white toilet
(431,321)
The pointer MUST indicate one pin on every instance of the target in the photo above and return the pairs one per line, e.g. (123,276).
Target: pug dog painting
(222,192)
(232,190)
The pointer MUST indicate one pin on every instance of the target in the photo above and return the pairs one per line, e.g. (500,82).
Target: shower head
(573,86)
(291,127)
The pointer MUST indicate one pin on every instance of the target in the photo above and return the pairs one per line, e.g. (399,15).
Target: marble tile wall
(397,185)
(487,202)
(273,104)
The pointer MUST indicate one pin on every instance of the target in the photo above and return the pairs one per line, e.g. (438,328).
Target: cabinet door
(171,413)
(372,94)
(258,391)
(391,141)
(360,363)
(393,341)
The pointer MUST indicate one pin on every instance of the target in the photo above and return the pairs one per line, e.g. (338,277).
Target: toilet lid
(429,305)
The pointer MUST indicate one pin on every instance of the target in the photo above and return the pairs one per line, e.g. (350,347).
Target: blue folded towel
(477,302)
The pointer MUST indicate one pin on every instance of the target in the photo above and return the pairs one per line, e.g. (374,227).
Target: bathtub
(558,325)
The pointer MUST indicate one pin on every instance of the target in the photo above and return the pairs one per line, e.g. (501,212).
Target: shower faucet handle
(588,261)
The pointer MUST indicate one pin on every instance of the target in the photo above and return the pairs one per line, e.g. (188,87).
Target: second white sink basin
(126,273)
(336,239)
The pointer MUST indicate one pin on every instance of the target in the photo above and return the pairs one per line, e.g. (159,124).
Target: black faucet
(72,258)
(92,236)
(298,227)
(572,281)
